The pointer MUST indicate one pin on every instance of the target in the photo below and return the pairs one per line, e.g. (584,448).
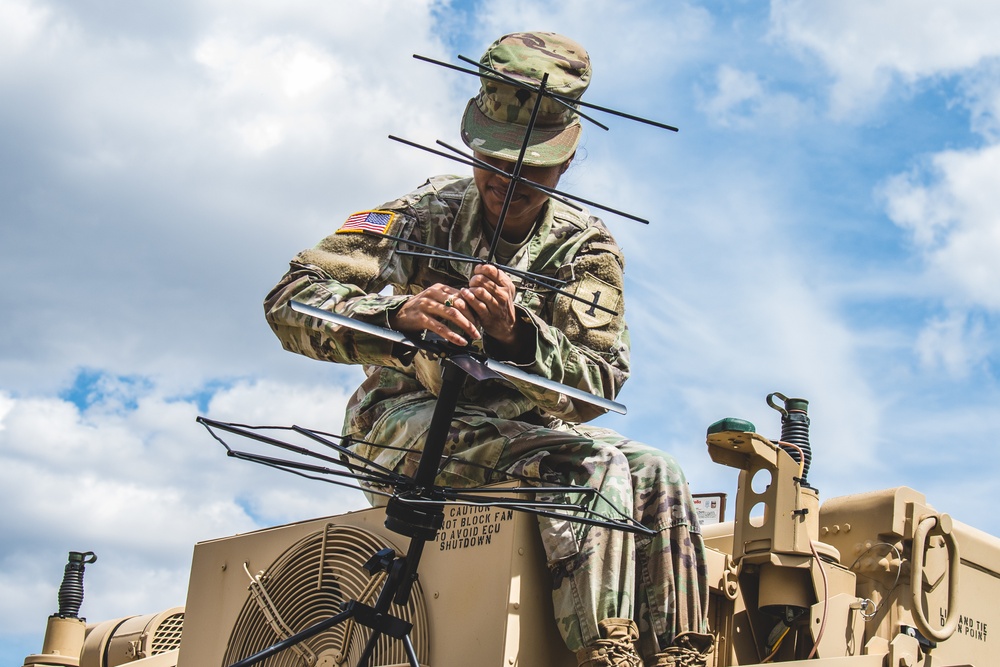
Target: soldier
(616,595)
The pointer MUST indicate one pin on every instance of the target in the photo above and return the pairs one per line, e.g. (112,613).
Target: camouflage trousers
(597,573)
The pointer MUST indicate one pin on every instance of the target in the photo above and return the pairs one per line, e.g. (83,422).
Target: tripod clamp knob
(407,518)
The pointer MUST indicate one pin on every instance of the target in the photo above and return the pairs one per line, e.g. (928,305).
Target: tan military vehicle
(878,579)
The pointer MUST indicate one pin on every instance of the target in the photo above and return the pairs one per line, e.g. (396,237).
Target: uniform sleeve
(343,274)
(584,342)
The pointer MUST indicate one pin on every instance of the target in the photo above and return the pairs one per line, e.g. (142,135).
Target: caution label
(466,527)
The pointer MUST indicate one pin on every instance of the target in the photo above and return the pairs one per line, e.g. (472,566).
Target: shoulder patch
(379,222)
(597,299)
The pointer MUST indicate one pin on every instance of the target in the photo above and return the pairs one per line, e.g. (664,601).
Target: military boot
(615,648)
(690,649)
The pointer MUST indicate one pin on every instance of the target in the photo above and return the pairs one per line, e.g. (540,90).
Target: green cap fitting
(732,424)
(85,557)
(797,404)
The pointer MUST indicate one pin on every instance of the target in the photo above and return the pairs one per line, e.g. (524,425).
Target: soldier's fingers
(495,316)
(480,300)
(493,273)
(437,300)
(456,310)
(502,290)
(441,329)
(498,300)
(441,310)
(465,320)
(420,310)
(437,321)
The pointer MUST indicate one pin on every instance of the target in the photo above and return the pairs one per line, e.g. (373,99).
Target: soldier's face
(526,203)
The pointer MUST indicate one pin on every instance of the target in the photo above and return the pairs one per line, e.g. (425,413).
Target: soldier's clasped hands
(485,306)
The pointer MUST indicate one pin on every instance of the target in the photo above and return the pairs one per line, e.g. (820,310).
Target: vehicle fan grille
(167,635)
(306,585)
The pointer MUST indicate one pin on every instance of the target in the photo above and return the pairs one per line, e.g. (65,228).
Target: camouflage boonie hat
(495,120)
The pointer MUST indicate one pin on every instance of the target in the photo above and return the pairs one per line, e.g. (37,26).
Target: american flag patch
(368,221)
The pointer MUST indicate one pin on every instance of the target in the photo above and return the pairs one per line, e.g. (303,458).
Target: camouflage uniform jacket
(574,343)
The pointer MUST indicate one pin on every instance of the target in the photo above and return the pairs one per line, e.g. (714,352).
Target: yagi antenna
(540,90)
(514,176)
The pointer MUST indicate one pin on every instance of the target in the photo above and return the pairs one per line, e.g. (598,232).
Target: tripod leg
(366,656)
(295,639)
(408,645)
(411,653)
(396,570)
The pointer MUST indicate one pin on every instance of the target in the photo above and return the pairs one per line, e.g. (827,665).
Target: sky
(825,224)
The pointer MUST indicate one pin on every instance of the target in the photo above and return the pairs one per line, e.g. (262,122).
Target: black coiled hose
(71,589)
(795,430)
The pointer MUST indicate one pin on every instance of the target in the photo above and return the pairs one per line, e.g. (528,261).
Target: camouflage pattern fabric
(494,121)
(500,430)
(528,56)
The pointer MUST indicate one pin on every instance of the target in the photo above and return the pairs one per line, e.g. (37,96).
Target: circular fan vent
(306,585)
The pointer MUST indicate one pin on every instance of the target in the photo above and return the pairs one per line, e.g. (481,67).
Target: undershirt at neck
(506,250)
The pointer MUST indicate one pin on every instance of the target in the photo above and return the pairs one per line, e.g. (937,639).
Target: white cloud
(268,402)
(982,96)
(635,51)
(952,210)
(6,405)
(21,23)
(286,84)
(735,88)
(952,343)
(290,65)
(740,100)
(867,46)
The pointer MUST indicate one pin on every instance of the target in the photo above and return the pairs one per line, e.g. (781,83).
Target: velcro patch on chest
(378,222)
(597,302)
